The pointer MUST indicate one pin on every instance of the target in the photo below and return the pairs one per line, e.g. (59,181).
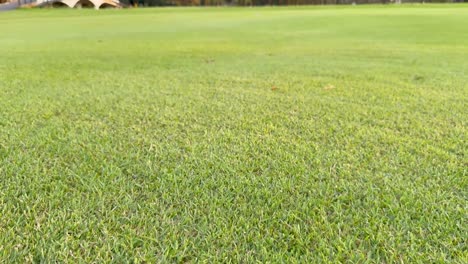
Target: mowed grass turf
(303,134)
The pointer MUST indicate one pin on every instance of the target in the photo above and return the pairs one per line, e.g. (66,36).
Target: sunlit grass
(311,134)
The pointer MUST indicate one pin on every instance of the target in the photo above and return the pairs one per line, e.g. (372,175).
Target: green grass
(302,134)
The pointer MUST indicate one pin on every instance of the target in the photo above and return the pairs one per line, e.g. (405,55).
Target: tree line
(269,2)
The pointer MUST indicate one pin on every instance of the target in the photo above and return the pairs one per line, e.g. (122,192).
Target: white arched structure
(81,3)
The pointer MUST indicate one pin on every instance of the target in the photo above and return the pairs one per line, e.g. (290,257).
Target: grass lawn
(302,134)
